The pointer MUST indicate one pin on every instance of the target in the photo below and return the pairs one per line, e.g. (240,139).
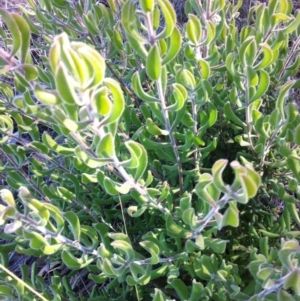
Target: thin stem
(141,190)
(221,203)
(160,260)
(206,220)
(208,5)
(248,116)
(124,174)
(170,130)
(63,240)
(151,33)
(85,147)
(162,101)
(274,287)
(205,16)
(269,144)
(195,130)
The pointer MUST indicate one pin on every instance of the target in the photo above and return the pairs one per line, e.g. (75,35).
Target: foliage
(117,134)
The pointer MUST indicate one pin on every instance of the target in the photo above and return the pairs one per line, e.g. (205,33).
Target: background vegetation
(147,159)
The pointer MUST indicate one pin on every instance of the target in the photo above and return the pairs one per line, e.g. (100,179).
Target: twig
(162,101)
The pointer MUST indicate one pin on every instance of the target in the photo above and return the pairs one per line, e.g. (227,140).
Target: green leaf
(231,216)
(30,72)
(108,268)
(252,77)
(293,281)
(265,273)
(174,230)
(153,63)
(263,85)
(137,87)
(180,95)
(75,263)
(268,56)
(102,102)
(153,249)
(193,29)
(106,146)
(188,216)
(56,215)
(249,186)
(159,295)
(17,178)
(89,236)
(7,197)
(24,30)
(147,5)
(174,45)
(293,25)
(297,135)
(53,145)
(118,100)
(170,18)
(117,40)
(149,144)
(136,40)
(37,241)
(293,211)
(203,268)
(283,295)
(253,174)
(124,247)
(281,97)
(5,213)
(14,30)
(137,150)
(197,289)
(60,116)
(205,69)
(140,275)
(65,86)
(274,118)
(90,23)
(211,33)
(74,62)
(186,78)
(114,188)
(203,189)
(74,224)
(5,290)
(248,51)
(230,114)
(52,249)
(153,129)
(47,97)
(94,62)
(180,289)
(217,171)
(216,244)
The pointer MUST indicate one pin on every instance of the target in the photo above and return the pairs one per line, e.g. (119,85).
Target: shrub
(152,161)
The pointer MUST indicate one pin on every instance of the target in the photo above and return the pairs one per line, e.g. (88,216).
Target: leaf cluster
(151,161)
